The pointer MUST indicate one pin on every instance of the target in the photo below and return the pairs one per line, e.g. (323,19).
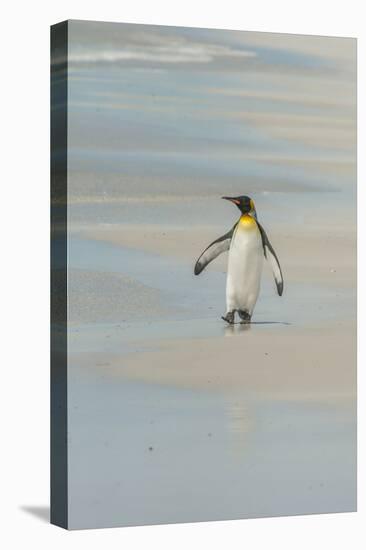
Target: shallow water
(156,453)
(293,208)
(162,454)
(188,297)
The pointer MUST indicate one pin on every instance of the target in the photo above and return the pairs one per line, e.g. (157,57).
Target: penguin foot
(244,315)
(229,317)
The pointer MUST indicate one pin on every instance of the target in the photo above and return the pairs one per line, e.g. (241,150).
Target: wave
(173,52)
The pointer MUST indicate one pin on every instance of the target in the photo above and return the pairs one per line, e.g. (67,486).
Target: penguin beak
(232,199)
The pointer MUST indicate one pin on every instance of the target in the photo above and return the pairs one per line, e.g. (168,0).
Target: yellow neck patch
(247,222)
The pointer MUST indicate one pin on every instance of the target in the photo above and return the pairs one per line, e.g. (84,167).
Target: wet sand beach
(269,405)
(173,415)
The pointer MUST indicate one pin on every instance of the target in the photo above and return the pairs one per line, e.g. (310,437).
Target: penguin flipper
(271,256)
(217,247)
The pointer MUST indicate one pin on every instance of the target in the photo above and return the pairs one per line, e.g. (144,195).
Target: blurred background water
(161,113)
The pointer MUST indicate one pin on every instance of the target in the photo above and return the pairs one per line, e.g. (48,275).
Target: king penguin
(247,243)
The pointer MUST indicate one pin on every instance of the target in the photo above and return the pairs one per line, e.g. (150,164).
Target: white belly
(244,268)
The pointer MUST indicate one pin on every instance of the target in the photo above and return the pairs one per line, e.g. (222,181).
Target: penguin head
(244,203)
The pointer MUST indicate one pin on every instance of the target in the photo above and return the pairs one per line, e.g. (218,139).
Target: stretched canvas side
(59,513)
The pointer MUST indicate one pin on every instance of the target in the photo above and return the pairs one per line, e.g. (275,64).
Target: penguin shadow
(284,323)
(238,327)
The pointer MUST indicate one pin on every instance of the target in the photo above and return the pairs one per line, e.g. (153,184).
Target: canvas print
(203,274)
